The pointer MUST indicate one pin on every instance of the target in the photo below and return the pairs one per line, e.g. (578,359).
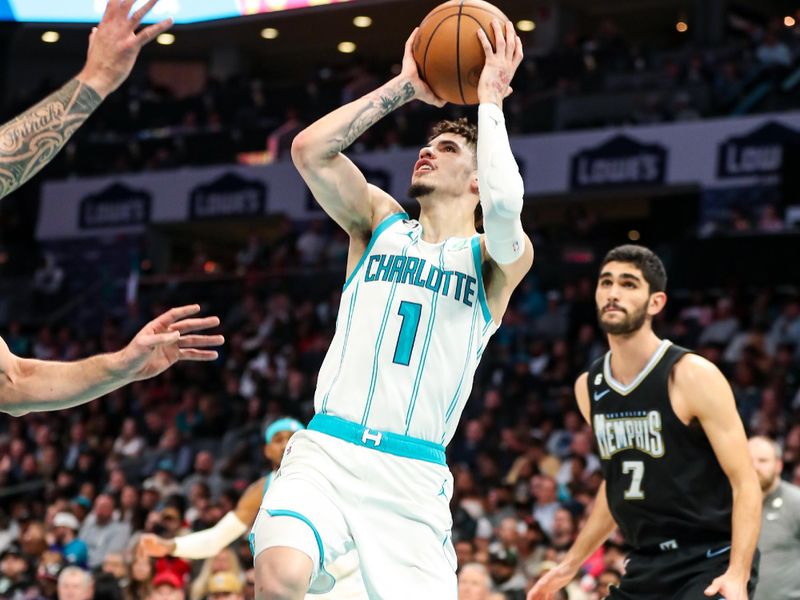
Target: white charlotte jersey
(412,327)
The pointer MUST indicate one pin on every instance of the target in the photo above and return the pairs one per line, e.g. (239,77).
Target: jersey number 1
(636,469)
(410,311)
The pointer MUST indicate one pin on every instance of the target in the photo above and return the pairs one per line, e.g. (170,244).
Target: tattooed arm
(337,184)
(31,140)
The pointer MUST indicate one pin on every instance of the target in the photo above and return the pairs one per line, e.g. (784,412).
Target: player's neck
(443,220)
(631,353)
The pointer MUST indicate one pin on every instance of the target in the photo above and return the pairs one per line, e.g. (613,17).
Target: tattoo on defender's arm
(32,139)
(378,106)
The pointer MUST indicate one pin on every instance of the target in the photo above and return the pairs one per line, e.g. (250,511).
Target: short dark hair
(460,127)
(643,259)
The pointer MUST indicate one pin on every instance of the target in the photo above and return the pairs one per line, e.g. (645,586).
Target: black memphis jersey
(663,481)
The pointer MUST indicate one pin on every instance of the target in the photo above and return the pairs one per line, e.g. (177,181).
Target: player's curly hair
(643,259)
(460,127)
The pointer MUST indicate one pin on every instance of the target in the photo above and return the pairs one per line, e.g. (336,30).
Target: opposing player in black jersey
(673,450)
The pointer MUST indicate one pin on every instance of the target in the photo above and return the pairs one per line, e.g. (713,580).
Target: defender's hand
(552,581)
(164,341)
(114,45)
(728,585)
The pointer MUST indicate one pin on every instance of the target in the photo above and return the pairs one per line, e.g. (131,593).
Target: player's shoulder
(691,368)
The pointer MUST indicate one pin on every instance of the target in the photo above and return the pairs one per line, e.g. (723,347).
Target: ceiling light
(269,33)
(362,21)
(789,21)
(50,37)
(346,47)
(166,39)
(681,26)
(526,25)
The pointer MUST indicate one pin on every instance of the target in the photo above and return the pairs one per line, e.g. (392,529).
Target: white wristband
(210,542)
(501,187)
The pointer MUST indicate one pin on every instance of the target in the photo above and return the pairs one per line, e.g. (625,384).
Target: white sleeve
(501,187)
(210,542)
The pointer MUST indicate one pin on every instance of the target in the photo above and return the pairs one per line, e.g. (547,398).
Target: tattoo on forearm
(380,104)
(32,139)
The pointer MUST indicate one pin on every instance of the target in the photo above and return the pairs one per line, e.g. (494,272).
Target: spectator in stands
(50,565)
(204,472)
(607,578)
(75,584)
(544,490)
(786,328)
(15,573)
(225,585)
(779,541)
(101,533)
(505,575)
(474,582)
(724,325)
(114,564)
(65,533)
(773,53)
(224,562)
(129,444)
(167,586)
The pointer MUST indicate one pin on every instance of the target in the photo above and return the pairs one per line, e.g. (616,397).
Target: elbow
(300,149)
(306,150)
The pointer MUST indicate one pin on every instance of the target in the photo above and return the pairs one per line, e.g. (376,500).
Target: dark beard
(631,324)
(418,190)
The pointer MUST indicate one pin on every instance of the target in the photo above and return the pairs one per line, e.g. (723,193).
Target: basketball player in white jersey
(210,542)
(420,301)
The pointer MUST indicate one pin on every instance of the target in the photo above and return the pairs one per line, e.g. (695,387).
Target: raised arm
(31,140)
(500,184)
(28,385)
(337,184)
(699,388)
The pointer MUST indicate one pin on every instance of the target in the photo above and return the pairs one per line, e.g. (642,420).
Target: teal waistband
(382,441)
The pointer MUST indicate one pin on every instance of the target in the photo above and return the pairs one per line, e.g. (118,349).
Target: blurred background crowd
(172,455)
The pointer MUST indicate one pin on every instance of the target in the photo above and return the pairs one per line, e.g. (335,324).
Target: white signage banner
(711,153)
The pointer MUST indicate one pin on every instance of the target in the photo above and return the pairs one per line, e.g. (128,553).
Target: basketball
(448,53)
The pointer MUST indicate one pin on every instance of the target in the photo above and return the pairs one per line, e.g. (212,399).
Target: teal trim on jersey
(388,221)
(267,483)
(344,347)
(476,256)
(382,441)
(376,358)
(424,356)
(328,581)
(454,401)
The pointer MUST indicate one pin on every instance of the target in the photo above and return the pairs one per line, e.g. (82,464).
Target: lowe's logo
(757,153)
(619,162)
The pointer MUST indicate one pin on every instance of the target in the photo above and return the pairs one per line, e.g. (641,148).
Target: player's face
(624,301)
(274,450)
(767,465)
(445,166)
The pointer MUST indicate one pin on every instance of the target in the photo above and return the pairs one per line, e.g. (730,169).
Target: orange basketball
(449,55)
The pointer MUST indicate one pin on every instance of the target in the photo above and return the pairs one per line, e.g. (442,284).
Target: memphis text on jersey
(417,271)
(629,430)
